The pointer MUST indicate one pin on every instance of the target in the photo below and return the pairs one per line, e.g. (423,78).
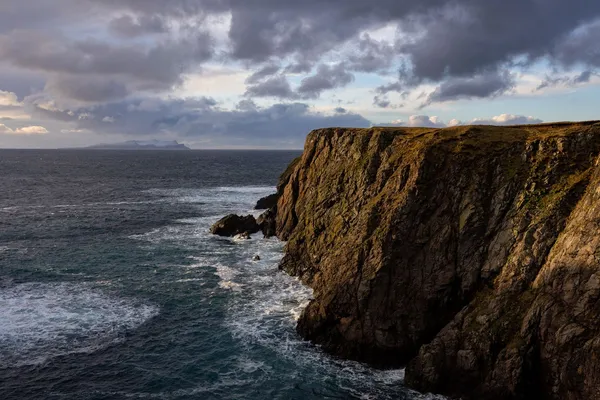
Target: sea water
(111,286)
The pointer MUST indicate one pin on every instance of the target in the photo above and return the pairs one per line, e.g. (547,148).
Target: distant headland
(142,145)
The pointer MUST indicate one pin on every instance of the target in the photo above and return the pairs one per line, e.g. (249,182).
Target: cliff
(472,254)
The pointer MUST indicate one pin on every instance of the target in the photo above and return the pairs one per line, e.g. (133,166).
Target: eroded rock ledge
(472,254)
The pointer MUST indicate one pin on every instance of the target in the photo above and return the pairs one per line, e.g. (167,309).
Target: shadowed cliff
(470,253)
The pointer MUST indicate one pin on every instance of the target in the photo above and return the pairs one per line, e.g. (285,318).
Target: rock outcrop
(470,253)
(267,202)
(267,220)
(232,225)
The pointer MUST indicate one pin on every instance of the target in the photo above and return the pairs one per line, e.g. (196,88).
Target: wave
(262,307)
(41,321)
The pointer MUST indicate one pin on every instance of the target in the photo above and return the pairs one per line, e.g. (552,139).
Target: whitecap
(45,320)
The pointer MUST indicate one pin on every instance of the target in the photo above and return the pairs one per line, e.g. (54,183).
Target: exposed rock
(472,252)
(267,202)
(267,220)
(270,202)
(268,224)
(232,225)
(256,258)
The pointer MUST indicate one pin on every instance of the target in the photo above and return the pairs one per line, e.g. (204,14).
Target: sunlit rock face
(469,253)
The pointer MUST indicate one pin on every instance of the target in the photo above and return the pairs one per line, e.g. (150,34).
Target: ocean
(111,286)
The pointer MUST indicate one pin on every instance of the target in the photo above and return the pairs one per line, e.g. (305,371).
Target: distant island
(142,145)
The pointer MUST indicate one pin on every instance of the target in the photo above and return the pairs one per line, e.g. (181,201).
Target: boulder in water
(256,258)
(232,225)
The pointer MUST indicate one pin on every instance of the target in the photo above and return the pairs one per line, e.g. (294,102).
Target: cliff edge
(470,253)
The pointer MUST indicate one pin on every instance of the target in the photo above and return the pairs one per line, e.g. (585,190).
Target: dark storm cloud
(20,82)
(40,14)
(371,55)
(584,77)
(111,50)
(580,46)
(88,89)
(277,86)
(264,72)
(484,85)
(299,67)
(469,37)
(158,67)
(440,37)
(326,77)
(203,118)
(551,81)
(170,8)
(381,101)
(391,87)
(128,27)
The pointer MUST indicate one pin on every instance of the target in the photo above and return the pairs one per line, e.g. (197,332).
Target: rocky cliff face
(470,253)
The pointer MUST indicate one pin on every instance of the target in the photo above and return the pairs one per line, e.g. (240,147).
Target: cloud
(26,130)
(506,119)
(420,121)
(568,81)
(326,77)
(436,38)
(299,67)
(92,54)
(382,101)
(371,55)
(580,46)
(479,86)
(391,87)
(9,99)
(77,69)
(262,73)
(129,27)
(87,89)
(248,124)
(277,86)
(435,122)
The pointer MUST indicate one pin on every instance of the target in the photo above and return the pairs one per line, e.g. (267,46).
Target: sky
(263,73)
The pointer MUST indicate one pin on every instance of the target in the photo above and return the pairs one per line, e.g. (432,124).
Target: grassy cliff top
(465,136)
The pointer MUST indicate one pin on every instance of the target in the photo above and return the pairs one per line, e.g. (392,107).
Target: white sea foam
(264,303)
(188,280)
(226,275)
(266,314)
(219,200)
(42,321)
(80,205)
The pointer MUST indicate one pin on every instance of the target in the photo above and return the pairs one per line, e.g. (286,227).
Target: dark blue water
(111,286)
